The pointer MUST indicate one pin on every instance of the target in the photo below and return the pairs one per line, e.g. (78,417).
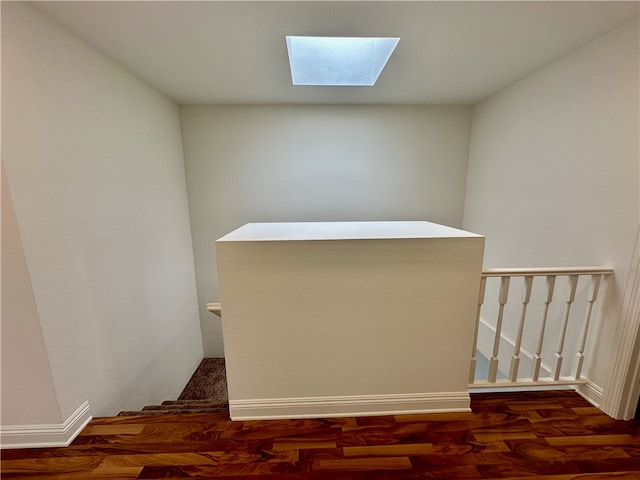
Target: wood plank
(531,468)
(302,443)
(524,406)
(498,436)
(99,474)
(193,458)
(54,464)
(126,429)
(390,450)
(366,464)
(435,417)
(587,411)
(469,446)
(592,440)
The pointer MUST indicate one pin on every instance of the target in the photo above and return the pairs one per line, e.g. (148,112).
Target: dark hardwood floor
(523,436)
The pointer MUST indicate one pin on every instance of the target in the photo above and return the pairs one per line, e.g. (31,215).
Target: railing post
(537,359)
(591,298)
(515,360)
(502,299)
(573,283)
(474,347)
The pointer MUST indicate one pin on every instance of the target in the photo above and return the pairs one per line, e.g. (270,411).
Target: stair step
(193,402)
(222,415)
(175,411)
(204,393)
(184,409)
(181,407)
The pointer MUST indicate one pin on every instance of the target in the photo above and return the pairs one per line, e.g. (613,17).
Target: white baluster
(472,371)
(502,299)
(515,360)
(573,283)
(551,282)
(592,296)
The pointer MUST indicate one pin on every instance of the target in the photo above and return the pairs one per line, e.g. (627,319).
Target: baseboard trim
(50,435)
(349,406)
(591,392)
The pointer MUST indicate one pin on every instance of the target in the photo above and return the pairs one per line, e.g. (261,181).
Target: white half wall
(553,172)
(361,316)
(316,163)
(94,161)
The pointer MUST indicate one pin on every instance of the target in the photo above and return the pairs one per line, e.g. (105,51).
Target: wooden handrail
(215,308)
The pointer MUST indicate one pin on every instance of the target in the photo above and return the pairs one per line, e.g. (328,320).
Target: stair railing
(526,344)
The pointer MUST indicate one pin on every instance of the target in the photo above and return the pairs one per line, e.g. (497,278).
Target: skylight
(347,61)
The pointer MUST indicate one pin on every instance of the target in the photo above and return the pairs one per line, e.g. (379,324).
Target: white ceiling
(234,52)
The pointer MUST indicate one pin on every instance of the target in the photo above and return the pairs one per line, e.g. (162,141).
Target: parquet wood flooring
(509,436)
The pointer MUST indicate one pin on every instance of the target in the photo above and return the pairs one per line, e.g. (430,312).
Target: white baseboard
(591,392)
(51,435)
(349,406)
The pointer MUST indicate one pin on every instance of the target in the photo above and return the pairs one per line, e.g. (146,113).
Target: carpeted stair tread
(183,407)
(211,401)
(172,410)
(183,411)
(206,392)
(212,415)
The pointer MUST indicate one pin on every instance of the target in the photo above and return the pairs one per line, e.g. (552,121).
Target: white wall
(26,375)
(553,170)
(317,163)
(94,161)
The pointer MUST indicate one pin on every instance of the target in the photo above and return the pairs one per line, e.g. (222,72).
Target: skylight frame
(338,61)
